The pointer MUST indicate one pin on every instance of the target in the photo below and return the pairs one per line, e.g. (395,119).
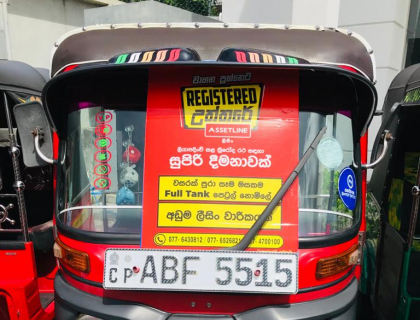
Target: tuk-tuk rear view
(393,228)
(209,170)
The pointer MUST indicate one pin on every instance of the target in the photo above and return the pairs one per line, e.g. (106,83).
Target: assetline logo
(222,111)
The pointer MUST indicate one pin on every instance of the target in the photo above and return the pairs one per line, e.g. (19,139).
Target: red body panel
(179,302)
(221,303)
(20,286)
(364,153)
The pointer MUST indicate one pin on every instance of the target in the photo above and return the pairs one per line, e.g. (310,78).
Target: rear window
(200,155)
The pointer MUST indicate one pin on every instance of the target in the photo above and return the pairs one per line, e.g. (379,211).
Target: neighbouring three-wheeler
(208,171)
(27,263)
(393,229)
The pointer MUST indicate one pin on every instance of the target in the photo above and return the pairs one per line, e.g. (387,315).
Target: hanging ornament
(125,196)
(131,154)
(129,177)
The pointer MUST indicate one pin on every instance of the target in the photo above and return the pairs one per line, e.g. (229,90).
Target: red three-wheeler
(27,263)
(208,171)
(390,276)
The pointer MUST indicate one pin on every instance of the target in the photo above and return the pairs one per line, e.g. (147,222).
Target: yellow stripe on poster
(204,215)
(220,189)
(215,240)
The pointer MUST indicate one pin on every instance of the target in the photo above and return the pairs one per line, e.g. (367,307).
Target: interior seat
(42,236)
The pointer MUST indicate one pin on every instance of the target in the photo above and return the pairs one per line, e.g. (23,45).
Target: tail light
(74,258)
(69,68)
(349,68)
(332,265)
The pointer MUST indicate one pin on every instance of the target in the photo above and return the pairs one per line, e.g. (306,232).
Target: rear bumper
(71,302)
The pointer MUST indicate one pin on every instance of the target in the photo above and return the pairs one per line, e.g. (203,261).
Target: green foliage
(416,245)
(337,204)
(203,7)
(395,200)
(373,220)
(340,223)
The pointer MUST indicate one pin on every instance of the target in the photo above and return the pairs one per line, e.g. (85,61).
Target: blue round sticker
(347,188)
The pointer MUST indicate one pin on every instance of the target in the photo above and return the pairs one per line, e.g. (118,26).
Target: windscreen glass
(104,176)
(329,172)
(114,157)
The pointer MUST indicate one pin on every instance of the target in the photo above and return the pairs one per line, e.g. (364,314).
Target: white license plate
(217,271)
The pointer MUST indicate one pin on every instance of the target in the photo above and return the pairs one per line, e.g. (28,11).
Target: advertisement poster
(220,142)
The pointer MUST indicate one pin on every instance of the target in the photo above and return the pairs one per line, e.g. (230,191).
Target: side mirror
(382,138)
(35,134)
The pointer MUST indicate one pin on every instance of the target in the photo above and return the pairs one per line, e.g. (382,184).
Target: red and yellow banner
(220,143)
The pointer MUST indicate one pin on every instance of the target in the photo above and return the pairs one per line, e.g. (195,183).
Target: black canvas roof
(20,77)
(401,90)
(317,45)
(405,81)
(319,53)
